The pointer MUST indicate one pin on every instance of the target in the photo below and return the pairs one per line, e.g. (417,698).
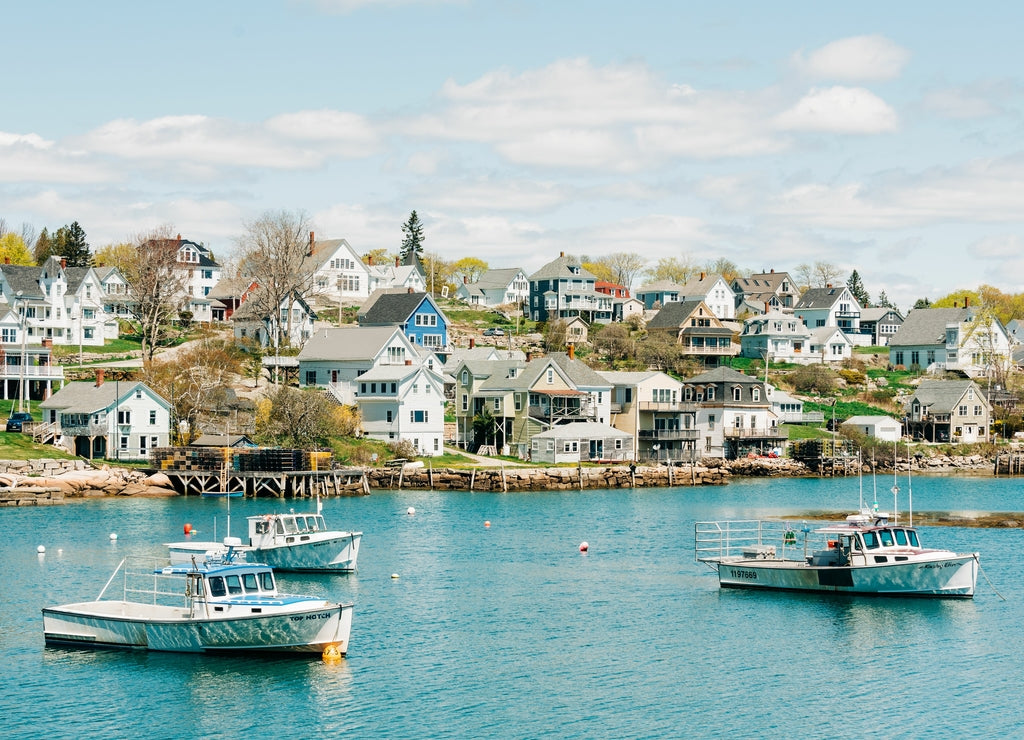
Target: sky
(886,138)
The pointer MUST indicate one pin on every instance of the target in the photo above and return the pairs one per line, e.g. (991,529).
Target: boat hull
(130,625)
(314,552)
(953,576)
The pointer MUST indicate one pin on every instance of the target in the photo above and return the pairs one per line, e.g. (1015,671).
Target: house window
(465,402)
(124,417)
(394,388)
(898,356)
(711,421)
(519,401)
(963,411)
(977,410)
(711,393)
(755,394)
(618,444)
(390,416)
(152,416)
(737,393)
(915,357)
(497,404)
(535,445)
(970,394)
(551,445)
(311,377)
(10,335)
(396,355)
(418,416)
(688,394)
(551,375)
(124,443)
(465,377)
(436,442)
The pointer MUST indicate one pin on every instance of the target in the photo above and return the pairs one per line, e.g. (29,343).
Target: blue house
(419,317)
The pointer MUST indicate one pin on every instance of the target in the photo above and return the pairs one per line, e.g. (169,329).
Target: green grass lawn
(17,446)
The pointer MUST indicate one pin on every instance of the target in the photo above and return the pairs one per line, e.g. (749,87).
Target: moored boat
(287,542)
(863,555)
(211,605)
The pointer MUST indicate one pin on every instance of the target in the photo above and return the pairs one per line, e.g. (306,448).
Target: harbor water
(464,630)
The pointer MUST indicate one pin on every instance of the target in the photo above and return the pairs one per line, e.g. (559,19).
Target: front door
(596,449)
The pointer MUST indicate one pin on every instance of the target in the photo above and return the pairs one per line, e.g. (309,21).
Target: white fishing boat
(863,555)
(287,542)
(215,605)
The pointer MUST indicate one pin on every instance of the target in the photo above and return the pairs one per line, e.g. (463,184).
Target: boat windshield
(886,537)
(247,582)
(870,540)
(912,534)
(901,536)
(289,525)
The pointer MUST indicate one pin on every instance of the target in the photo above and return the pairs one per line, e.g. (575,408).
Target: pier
(277,484)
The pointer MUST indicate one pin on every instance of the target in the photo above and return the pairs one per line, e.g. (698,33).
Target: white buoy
(41,549)
(113,536)
(410,511)
(394,576)
(584,547)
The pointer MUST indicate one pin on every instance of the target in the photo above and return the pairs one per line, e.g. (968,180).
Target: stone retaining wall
(43,466)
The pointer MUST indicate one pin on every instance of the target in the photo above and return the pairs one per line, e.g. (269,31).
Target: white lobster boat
(217,605)
(286,542)
(863,555)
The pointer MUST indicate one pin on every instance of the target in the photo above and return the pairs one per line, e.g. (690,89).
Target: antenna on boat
(895,486)
(860,479)
(874,485)
(910,489)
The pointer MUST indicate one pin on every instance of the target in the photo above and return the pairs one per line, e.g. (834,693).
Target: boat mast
(895,486)
(910,489)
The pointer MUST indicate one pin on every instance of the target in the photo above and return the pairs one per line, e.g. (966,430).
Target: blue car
(17,420)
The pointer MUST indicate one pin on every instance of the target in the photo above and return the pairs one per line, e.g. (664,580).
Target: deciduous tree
(156,283)
(275,253)
(469,268)
(297,419)
(13,248)
(677,269)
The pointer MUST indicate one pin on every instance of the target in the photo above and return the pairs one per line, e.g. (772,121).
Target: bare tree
(157,284)
(677,269)
(275,252)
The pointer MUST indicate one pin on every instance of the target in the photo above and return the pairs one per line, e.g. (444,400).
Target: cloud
(31,158)
(201,145)
(960,103)
(841,110)
(854,59)
(493,195)
(617,117)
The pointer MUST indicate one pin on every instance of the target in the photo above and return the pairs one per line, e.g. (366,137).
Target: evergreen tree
(883,301)
(75,248)
(43,248)
(857,288)
(922,303)
(412,242)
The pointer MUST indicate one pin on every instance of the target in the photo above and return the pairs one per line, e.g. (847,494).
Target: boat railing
(142,582)
(752,538)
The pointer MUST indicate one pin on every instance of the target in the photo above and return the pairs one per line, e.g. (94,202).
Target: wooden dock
(284,484)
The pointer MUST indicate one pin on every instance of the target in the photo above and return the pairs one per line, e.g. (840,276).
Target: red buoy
(188,528)
(584,547)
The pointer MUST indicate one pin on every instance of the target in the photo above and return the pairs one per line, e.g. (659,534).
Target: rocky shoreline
(48,481)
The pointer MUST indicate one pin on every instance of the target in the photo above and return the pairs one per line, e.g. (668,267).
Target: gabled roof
(85,397)
(397,372)
(24,279)
(579,372)
(761,282)
(660,286)
(396,308)
(818,298)
(700,285)
(483,354)
(497,279)
(583,430)
(348,343)
(866,420)
(324,249)
(942,396)
(928,326)
(248,310)
(877,313)
(624,378)
(75,276)
(673,315)
(563,267)
(822,334)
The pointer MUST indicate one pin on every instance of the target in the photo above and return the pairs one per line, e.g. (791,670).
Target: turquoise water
(509,631)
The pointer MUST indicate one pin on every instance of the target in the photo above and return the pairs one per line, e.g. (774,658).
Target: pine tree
(76,249)
(857,288)
(412,242)
(883,301)
(43,248)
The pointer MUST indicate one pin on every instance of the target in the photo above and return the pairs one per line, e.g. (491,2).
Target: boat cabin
(867,545)
(285,524)
(225,581)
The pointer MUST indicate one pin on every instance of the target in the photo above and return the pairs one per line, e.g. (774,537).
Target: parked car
(17,419)
(494,332)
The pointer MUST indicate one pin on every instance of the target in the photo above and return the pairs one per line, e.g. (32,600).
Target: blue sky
(881,137)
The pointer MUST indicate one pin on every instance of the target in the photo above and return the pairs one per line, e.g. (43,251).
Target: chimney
(99,377)
(409,290)
(965,301)
(529,356)
(465,279)
(179,237)
(702,276)
(766,306)
(955,304)
(408,362)
(572,351)
(472,342)
(7,260)
(561,254)
(369,260)
(828,285)
(63,263)
(396,262)
(312,242)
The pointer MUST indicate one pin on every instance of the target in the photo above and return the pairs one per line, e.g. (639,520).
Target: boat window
(280,527)
(318,523)
(870,540)
(289,526)
(234,584)
(262,527)
(267,579)
(249,581)
(300,524)
(913,538)
(886,537)
(217,586)
(855,543)
(901,536)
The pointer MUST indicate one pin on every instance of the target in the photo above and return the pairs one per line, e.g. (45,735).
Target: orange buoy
(188,528)
(487,523)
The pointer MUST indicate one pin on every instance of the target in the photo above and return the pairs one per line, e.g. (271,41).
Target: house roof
(24,279)
(866,420)
(942,396)
(722,375)
(394,308)
(877,313)
(822,334)
(817,298)
(701,284)
(347,343)
(250,310)
(497,279)
(622,377)
(578,371)
(75,276)
(394,372)
(924,326)
(673,314)
(660,286)
(85,397)
(583,430)
(563,268)
(762,282)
